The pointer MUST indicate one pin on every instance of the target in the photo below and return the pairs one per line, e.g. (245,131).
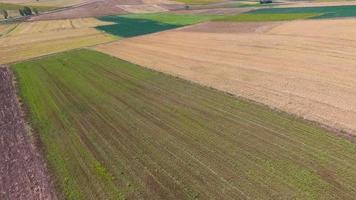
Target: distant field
(321,12)
(140,24)
(10,6)
(51,3)
(33,39)
(266,17)
(198,1)
(114,130)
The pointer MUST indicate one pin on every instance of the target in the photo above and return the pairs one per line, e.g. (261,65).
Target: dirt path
(23,174)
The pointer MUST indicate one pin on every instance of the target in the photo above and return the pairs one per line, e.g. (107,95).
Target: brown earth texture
(301,67)
(23,174)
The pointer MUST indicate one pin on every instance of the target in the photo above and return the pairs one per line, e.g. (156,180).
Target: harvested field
(23,174)
(143,8)
(5,28)
(310,73)
(114,130)
(33,39)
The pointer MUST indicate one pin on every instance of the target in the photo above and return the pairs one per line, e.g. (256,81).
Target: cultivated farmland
(309,72)
(140,24)
(114,130)
(33,39)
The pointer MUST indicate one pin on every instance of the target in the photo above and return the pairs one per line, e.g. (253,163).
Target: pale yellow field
(5,28)
(301,67)
(33,39)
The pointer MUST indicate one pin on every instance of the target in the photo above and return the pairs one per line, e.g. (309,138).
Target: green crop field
(140,24)
(321,12)
(266,17)
(115,130)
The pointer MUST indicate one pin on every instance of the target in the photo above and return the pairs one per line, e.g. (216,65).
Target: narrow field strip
(114,130)
(23,173)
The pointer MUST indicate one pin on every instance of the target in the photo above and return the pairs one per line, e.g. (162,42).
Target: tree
(21,12)
(27,11)
(5,14)
(35,11)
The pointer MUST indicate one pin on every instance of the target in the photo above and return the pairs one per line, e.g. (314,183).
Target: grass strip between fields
(266,17)
(115,130)
(324,12)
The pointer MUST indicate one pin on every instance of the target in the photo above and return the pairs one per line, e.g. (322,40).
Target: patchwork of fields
(309,72)
(140,24)
(33,39)
(114,130)
(266,108)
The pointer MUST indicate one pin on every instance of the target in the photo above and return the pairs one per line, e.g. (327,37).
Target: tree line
(25,11)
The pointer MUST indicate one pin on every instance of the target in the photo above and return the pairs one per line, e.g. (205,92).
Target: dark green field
(321,12)
(140,24)
(114,130)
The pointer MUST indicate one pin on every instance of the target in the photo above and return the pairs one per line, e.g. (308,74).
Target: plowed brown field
(23,175)
(301,67)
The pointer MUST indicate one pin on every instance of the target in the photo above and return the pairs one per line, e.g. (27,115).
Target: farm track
(23,174)
(309,72)
(114,130)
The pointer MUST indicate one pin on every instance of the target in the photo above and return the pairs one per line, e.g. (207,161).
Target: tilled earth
(23,174)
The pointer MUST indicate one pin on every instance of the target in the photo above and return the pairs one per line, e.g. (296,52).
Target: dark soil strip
(23,174)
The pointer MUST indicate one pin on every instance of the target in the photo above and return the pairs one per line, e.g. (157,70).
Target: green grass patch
(323,12)
(114,130)
(140,24)
(266,17)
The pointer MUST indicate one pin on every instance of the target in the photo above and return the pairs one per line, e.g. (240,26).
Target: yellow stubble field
(301,67)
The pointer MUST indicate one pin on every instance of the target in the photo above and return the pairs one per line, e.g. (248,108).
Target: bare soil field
(310,73)
(109,7)
(96,9)
(23,174)
(33,39)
